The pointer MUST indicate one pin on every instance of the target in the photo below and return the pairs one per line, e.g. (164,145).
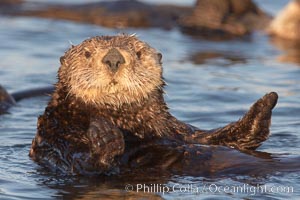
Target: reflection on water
(290,50)
(208,97)
(218,58)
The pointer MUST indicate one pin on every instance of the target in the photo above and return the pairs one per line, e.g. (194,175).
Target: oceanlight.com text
(209,188)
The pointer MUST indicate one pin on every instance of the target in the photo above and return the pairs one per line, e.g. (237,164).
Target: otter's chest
(135,121)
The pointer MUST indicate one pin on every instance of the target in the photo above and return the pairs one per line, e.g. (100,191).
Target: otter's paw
(106,141)
(254,126)
(250,131)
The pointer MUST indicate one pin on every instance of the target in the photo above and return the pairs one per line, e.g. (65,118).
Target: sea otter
(8,100)
(286,24)
(109,99)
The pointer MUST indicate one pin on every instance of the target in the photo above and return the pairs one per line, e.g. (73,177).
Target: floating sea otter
(108,101)
(286,24)
(8,100)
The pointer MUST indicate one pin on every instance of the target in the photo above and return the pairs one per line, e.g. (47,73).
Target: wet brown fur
(97,118)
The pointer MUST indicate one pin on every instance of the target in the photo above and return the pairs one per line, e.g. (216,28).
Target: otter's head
(113,70)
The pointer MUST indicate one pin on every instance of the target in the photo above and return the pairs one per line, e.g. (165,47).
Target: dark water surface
(207,95)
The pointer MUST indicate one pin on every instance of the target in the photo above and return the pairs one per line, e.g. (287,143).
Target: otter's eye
(139,54)
(87,54)
(159,55)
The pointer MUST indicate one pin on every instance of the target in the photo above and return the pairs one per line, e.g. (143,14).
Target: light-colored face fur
(92,81)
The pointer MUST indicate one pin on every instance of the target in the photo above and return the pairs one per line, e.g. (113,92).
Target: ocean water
(208,95)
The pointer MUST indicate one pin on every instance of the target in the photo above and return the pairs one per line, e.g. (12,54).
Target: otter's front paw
(106,140)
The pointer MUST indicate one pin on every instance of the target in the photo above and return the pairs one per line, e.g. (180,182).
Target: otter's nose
(113,59)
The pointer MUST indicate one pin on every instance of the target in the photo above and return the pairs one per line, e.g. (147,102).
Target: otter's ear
(62,60)
(159,55)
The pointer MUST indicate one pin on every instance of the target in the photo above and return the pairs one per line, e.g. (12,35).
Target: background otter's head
(111,70)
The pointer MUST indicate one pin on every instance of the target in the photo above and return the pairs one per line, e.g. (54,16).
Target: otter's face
(111,70)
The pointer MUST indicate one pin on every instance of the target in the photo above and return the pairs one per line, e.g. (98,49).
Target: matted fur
(93,82)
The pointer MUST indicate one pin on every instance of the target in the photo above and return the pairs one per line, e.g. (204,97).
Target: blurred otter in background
(224,19)
(9,2)
(208,18)
(113,14)
(285,32)
(8,100)
(286,24)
